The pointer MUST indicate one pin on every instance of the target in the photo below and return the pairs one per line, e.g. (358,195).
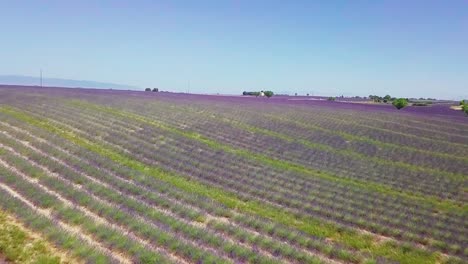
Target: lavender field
(140,177)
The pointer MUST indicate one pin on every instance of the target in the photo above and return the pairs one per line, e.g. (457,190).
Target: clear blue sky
(404,48)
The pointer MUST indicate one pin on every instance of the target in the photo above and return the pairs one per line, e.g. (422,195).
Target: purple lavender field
(141,177)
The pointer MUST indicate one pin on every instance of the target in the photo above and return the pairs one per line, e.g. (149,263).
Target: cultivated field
(141,177)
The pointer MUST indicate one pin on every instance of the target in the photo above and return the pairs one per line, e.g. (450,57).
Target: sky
(402,48)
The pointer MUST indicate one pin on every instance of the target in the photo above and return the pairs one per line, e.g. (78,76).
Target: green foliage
(148,90)
(268,94)
(309,225)
(17,246)
(379,99)
(465,108)
(400,103)
(331,98)
(375,98)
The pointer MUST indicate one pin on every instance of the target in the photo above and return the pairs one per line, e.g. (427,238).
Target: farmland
(141,177)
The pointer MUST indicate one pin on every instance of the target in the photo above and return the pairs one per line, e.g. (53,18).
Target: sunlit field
(142,177)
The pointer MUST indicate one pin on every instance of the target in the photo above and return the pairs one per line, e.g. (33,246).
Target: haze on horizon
(407,49)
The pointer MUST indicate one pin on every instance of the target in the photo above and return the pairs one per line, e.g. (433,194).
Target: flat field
(140,177)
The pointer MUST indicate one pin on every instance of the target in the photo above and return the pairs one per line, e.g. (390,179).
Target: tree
(155,90)
(400,103)
(148,90)
(244,93)
(465,108)
(268,94)
(376,98)
(331,98)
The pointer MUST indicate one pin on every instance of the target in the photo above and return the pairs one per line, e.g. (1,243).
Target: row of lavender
(176,228)
(340,153)
(300,194)
(157,208)
(190,154)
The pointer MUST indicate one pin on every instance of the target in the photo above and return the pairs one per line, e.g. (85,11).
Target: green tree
(148,89)
(268,94)
(465,108)
(400,103)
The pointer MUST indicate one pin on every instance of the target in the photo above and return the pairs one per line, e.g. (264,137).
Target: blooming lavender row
(119,136)
(125,160)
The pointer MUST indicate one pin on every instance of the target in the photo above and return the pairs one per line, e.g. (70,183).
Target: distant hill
(28,80)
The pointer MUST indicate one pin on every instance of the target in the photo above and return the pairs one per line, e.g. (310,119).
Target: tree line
(261,93)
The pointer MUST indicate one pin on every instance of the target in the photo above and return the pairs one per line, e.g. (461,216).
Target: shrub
(268,94)
(148,90)
(400,103)
(454,249)
(331,98)
(465,108)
